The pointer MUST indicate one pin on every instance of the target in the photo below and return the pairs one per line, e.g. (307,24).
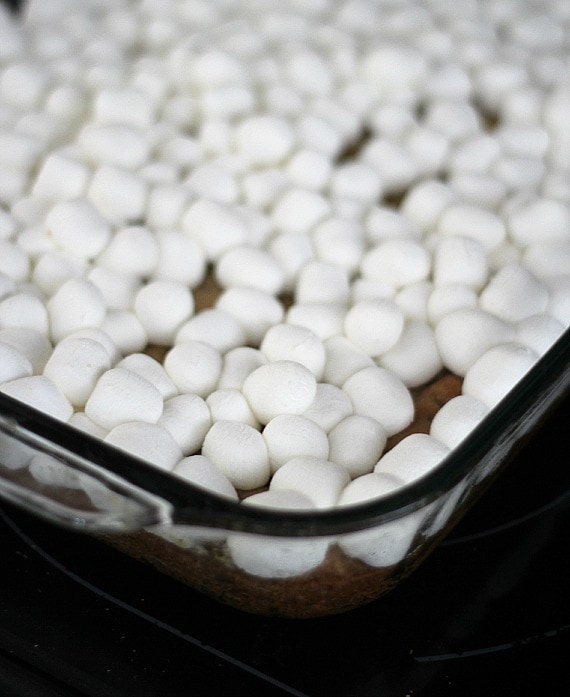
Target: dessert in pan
(282,284)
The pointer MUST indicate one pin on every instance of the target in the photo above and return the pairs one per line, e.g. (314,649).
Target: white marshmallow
(291,250)
(397,262)
(24,83)
(81,421)
(132,250)
(539,332)
(425,201)
(13,363)
(356,180)
(53,267)
(147,441)
(456,419)
(19,150)
(285,341)
(119,396)
(180,258)
(547,259)
(374,326)
(319,479)
(215,327)
(309,169)
(279,387)
(41,393)
(213,181)
(264,140)
(518,172)
(339,242)
(448,298)
(62,176)
(165,205)
(396,167)
(229,404)
(472,221)
(413,300)
(101,336)
(414,456)
(475,154)
(380,394)
(329,406)
(299,210)
(162,307)
(261,187)
(415,357)
(119,289)
(34,345)
(238,363)
(194,366)
(316,133)
(356,443)
(75,366)
(215,226)
(484,190)
(465,334)
(126,331)
(148,367)
(428,148)
(497,371)
(24,310)
(239,451)
(343,359)
(321,282)
(187,418)
(118,193)
(277,557)
(288,436)
(198,470)
(249,266)
(514,294)
(76,304)
(78,228)
(113,144)
(539,220)
(460,260)
(324,319)
(128,106)
(14,262)
(254,309)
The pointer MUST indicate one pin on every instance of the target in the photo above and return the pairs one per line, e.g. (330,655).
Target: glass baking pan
(293,563)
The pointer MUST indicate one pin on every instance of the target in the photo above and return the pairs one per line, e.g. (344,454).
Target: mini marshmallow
(213,181)
(279,387)
(165,204)
(497,371)
(51,471)
(61,176)
(238,363)
(316,133)
(474,154)
(356,443)
(75,366)
(41,393)
(187,418)
(126,331)
(539,332)
(19,151)
(291,251)
(81,421)
(343,359)
(53,267)
(14,262)
(239,451)
(78,228)
(119,289)
(244,265)
(547,259)
(113,144)
(24,310)
(264,140)
(132,250)
(194,366)
(34,345)
(413,300)
(198,470)
(415,357)
(309,169)
(299,210)
(374,326)
(254,309)
(356,180)
(13,363)
(539,220)
(519,173)
(101,336)
(414,456)
(448,298)
(180,258)
(514,294)
(329,406)
(229,404)
(119,194)
(128,106)
(288,436)
(424,202)
(465,334)
(215,226)
(396,167)
(147,441)
(456,419)
(428,148)
(24,83)
(460,260)
(397,262)
(76,304)
(321,282)
(340,242)
(286,341)
(277,557)
(262,187)
(215,327)
(149,368)
(162,307)
(472,221)
(324,319)
(119,396)
(380,394)
(319,479)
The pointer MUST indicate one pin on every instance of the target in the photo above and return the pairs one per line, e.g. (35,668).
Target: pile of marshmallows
(399,169)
